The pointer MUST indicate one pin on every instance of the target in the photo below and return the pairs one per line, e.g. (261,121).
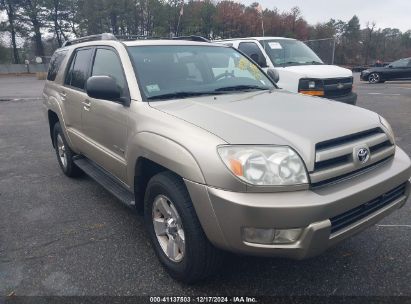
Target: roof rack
(137,37)
(109,36)
(191,38)
(104,36)
(143,37)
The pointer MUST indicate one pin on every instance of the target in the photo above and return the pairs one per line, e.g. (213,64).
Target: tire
(374,78)
(198,258)
(64,153)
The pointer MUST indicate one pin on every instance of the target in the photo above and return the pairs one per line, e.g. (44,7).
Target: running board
(106,180)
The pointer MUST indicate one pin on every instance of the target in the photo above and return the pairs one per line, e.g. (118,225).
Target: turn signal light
(313,93)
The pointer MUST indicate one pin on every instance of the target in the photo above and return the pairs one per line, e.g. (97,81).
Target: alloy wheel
(374,78)
(62,150)
(168,228)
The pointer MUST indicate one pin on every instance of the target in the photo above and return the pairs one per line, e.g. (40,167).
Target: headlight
(314,87)
(388,128)
(264,165)
(312,84)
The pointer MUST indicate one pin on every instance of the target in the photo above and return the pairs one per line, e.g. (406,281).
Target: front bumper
(223,213)
(350,98)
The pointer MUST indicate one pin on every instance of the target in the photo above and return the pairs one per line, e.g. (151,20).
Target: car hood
(319,71)
(276,118)
(376,69)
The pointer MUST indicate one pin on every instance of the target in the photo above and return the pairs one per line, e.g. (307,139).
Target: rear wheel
(64,153)
(175,231)
(374,78)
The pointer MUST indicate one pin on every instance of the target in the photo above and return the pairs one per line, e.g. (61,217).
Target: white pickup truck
(299,68)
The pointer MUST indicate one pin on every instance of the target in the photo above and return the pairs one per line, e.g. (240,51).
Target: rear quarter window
(55,64)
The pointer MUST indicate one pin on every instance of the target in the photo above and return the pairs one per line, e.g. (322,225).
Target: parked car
(300,69)
(400,69)
(359,68)
(218,158)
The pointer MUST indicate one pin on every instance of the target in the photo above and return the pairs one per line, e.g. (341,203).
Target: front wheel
(175,231)
(374,78)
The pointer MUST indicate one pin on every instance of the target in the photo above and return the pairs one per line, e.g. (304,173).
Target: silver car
(218,158)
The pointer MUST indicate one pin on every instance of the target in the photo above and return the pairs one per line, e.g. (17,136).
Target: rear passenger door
(73,93)
(104,121)
(408,70)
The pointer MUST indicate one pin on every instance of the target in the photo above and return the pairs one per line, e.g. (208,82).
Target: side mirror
(103,87)
(260,60)
(274,75)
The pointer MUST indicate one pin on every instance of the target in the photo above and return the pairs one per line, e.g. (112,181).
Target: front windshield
(284,52)
(169,72)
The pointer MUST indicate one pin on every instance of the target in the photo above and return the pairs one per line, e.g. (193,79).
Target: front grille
(337,87)
(337,92)
(354,215)
(331,81)
(335,158)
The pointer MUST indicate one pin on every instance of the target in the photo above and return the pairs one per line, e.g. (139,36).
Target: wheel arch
(151,154)
(52,119)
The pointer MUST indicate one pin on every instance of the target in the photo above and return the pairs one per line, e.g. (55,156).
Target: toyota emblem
(363,155)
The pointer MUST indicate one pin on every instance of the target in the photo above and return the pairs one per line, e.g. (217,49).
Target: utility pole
(259,9)
(262,25)
(179,17)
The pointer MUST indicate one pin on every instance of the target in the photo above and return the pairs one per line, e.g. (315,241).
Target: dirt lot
(60,236)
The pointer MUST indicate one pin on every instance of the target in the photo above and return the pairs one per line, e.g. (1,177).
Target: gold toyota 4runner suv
(220,159)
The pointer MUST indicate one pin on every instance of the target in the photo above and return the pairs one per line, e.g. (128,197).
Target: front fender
(164,152)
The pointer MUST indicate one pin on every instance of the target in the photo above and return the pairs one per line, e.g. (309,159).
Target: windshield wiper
(314,62)
(183,94)
(187,94)
(302,63)
(242,88)
(291,62)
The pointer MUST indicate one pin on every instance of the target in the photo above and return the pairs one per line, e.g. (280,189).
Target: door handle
(63,95)
(86,105)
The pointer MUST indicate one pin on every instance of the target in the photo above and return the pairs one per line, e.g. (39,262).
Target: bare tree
(369,31)
(33,15)
(11,8)
(58,15)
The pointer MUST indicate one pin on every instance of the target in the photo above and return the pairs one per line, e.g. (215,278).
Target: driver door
(105,122)
(252,50)
(398,69)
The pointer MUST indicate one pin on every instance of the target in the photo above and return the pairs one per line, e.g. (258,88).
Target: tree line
(44,25)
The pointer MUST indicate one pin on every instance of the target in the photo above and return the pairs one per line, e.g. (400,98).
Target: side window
(107,63)
(402,63)
(55,64)
(252,50)
(79,69)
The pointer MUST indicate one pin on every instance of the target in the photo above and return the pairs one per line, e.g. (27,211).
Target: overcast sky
(386,13)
